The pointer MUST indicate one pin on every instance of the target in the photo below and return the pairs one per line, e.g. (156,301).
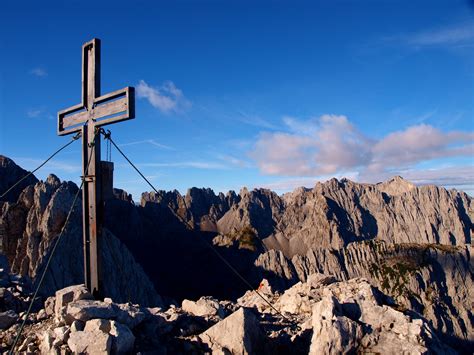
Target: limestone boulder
(84,310)
(122,337)
(296,300)
(239,333)
(66,296)
(204,307)
(94,343)
(130,314)
(333,333)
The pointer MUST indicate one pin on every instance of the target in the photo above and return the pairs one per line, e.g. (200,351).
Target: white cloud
(332,145)
(39,72)
(167,98)
(314,147)
(419,143)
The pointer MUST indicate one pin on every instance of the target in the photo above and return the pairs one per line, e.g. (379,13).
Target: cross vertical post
(93,112)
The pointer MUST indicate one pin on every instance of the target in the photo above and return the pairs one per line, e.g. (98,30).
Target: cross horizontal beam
(110,108)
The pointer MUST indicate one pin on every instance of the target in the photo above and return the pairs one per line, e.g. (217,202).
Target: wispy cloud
(331,145)
(232,160)
(444,36)
(188,164)
(167,98)
(458,177)
(454,176)
(137,181)
(148,141)
(424,117)
(255,120)
(449,36)
(53,165)
(39,72)
(39,113)
(33,113)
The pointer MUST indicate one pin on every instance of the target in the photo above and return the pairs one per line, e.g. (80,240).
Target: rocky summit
(319,316)
(343,267)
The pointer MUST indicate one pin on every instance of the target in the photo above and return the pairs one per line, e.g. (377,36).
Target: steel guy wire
(50,257)
(76,137)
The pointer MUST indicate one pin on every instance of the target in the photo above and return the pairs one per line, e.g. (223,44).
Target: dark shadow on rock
(346,225)
(283,344)
(464,217)
(351,310)
(179,260)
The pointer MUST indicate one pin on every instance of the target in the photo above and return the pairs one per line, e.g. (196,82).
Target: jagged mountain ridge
(332,214)
(324,229)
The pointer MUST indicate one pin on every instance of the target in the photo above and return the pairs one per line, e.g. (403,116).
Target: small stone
(41,315)
(46,344)
(62,334)
(155,310)
(49,305)
(28,340)
(31,348)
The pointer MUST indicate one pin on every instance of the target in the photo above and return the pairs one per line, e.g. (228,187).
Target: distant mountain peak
(395,186)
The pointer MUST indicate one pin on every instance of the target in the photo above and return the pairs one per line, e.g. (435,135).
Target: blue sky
(273,94)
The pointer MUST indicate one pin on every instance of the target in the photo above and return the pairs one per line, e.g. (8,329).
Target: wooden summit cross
(93,112)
